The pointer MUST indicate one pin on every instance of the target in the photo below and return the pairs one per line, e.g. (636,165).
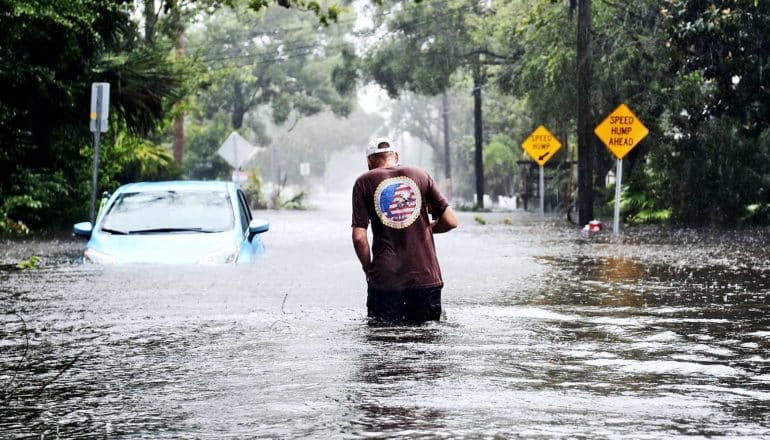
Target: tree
(280,58)
(726,43)
(716,151)
(50,52)
(422,117)
(627,49)
(427,44)
(168,20)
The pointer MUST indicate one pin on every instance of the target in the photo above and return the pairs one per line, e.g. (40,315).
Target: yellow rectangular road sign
(621,131)
(541,145)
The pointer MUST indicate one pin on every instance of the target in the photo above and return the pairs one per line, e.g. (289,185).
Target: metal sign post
(618,181)
(621,131)
(100,106)
(94,178)
(542,194)
(541,145)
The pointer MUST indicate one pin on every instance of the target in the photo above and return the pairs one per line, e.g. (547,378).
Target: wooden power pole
(477,133)
(584,117)
(447,157)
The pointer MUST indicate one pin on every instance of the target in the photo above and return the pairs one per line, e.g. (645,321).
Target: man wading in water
(402,272)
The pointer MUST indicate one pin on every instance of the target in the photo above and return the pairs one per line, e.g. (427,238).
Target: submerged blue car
(175,222)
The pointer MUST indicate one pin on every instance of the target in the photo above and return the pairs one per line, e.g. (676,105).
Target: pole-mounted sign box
(100,107)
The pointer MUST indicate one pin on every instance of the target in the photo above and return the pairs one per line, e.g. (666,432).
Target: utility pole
(585,120)
(477,133)
(447,159)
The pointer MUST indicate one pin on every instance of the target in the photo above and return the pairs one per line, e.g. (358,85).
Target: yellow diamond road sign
(621,131)
(541,145)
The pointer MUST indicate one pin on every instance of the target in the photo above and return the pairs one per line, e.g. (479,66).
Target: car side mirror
(258,226)
(82,229)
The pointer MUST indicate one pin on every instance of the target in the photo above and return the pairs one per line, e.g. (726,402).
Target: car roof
(178,185)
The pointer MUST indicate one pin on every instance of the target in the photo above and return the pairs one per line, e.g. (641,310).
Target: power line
(307,49)
(285,55)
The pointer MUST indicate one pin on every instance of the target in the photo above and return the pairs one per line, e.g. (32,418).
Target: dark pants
(412,306)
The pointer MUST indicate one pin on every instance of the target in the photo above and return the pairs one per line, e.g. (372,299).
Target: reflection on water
(549,333)
(394,362)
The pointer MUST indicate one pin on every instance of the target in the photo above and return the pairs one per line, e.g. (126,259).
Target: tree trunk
(150,20)
(447,157)
(585,132)
(477,134)
(178,143)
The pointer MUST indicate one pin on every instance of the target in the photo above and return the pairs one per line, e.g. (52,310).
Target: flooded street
(549,332)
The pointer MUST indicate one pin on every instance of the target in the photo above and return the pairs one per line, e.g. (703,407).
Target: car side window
(244,210)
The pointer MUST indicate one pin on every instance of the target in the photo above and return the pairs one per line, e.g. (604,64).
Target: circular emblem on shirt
(398,202)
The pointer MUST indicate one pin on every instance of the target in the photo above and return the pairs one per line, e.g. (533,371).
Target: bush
(252,188)
(33,201)
(716,172)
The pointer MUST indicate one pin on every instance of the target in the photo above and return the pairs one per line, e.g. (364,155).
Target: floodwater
(549,333)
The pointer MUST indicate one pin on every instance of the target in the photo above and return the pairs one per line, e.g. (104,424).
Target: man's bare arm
(446,222)
(361,245)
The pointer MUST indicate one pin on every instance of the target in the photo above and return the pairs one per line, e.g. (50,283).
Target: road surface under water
(549,332)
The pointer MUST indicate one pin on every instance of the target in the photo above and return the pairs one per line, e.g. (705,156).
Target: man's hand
(445,223)
(361,245)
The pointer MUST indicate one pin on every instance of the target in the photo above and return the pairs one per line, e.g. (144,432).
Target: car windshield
(169,211)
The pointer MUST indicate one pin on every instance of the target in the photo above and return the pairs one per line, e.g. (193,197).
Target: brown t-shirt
(397,201)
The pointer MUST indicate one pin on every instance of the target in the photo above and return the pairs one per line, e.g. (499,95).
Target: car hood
(173,248)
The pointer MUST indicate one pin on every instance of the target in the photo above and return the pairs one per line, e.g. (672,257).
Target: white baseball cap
(376,146)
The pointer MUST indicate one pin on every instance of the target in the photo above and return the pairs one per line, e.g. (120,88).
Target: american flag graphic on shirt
(398,202)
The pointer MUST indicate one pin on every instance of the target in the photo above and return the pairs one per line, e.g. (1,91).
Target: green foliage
(640,208)
(282,197)
(726,41)
(30,199)
(428,43)
(416,114)
(500,166)
(479,220)
(243,71)
(463,173)
(130,158)
(31,263)
(253,190)
(695,72)
(144,85)
(325,14)
(203,139)
(47,52)
(149,162)
(296,202)
(716,172)
(758,214)
(545,70)
(716,156)
(50,53)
